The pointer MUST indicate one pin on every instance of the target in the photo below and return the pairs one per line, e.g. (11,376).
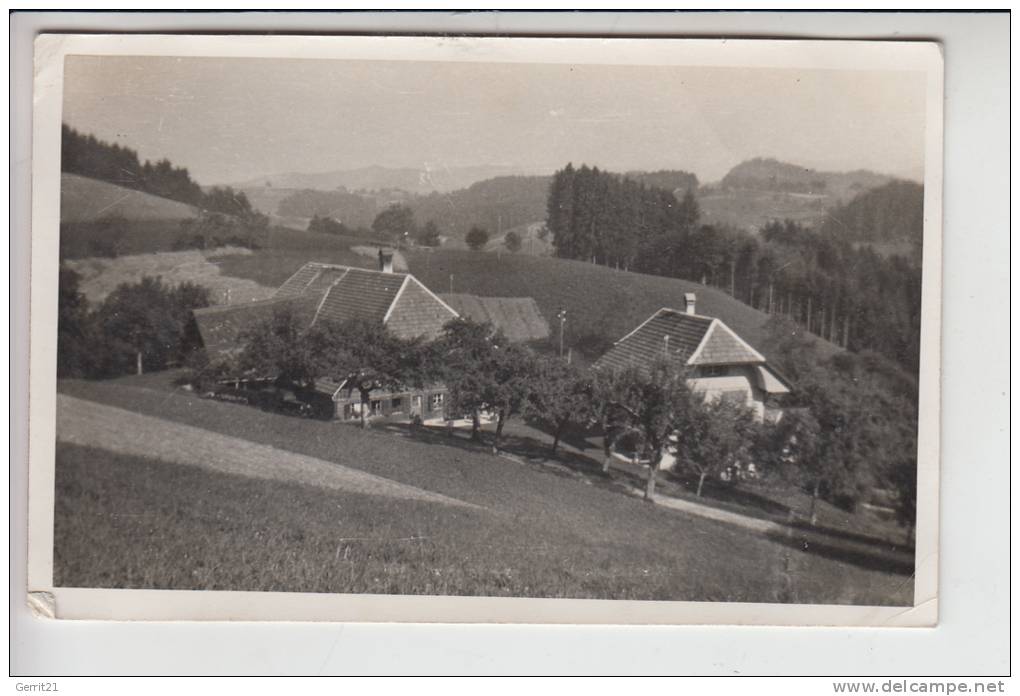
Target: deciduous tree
(648,403)
(561,395)
(476,238)
(395,223)
(145,323)
(429,235)
(75,351)
(512,241)
(712,436)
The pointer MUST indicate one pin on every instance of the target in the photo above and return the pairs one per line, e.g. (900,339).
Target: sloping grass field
(600,301)
(129,521)
(83,199)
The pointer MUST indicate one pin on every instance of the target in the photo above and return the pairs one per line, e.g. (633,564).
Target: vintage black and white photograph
(436,319)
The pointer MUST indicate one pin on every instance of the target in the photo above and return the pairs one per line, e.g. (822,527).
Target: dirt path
(91,424)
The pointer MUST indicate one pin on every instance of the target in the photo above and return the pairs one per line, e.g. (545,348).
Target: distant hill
(375,178)
(351,209)
(670,179)
(760,190)
(497,205)
(766,174)
(85,200)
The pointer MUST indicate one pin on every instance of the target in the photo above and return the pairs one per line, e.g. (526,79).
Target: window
(376,408)
(397,403)
(437,401)
(714,371)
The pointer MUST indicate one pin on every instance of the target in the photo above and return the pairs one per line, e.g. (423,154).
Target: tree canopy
(476,238)
(395,223)
(144,325)
(512,241)
(429,235)
(649,404)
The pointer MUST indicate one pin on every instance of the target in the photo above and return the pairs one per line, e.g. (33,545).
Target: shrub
(476,238)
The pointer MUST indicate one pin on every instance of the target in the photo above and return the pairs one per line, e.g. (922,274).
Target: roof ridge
(211,309)
(685,313)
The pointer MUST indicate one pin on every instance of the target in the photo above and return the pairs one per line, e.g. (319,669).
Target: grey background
(973,633)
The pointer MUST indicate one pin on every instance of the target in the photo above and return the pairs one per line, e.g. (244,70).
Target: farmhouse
(399,301)
(723,365)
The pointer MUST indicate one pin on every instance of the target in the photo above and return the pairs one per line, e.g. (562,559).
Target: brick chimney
(689,302)
(386,260)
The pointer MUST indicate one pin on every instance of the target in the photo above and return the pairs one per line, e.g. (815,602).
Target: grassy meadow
(602,304)
(83,199)
(543,531)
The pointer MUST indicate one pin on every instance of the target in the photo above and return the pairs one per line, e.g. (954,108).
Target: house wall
(731,381)
(433,404)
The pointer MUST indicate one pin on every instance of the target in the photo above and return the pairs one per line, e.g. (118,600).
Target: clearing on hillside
(84,200)
(101,276)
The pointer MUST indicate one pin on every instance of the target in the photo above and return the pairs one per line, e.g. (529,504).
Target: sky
(234,119)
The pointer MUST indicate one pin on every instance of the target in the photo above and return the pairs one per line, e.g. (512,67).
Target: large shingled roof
(222,326)
(519,318)
(689,339)
(335,293)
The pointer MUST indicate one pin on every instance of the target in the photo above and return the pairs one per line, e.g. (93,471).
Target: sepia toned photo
(352,323)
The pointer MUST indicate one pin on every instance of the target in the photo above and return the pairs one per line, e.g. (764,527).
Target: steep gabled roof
(360,294)
(517,317)
(342,293)
(327,292)
(417,311)
(689,339)
(721,346)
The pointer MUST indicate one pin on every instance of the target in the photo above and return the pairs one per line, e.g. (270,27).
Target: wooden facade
(428,404)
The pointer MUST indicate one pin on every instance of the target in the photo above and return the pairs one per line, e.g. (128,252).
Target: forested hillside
(669,179)
(839,290)
(495,204)
(893,212)
(352,209)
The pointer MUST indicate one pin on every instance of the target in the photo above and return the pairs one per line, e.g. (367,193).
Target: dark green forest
(670,179)
(890,213)
(825,280)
